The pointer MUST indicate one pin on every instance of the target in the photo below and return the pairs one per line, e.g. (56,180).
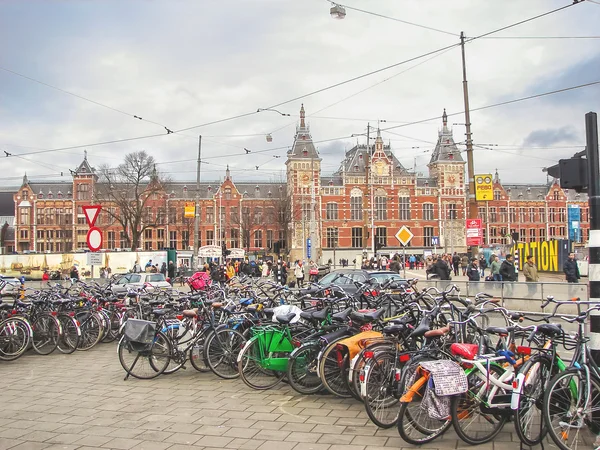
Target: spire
(378,141)
(227,173)
(25,179)
(302,123)
(445,119)
(496,177)
(154,176)
(85,155)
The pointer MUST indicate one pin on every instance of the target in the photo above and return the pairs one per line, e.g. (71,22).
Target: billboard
(484,188)
(574,219)
(189,210)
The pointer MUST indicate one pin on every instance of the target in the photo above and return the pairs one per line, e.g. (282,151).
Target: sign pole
(404,258)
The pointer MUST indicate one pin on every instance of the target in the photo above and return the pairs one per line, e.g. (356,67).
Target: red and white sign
(91,213)
(474,232)
(94,239)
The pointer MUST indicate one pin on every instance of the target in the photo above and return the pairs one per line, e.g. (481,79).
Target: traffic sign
(91,213)
(484,188)
(308,248)
(94,259)
(435,241)
(94,239)
(474,232)
(404,235)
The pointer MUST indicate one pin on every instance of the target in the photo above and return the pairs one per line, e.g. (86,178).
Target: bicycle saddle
(394,329)
(342,316)
(423,328)
(285,318)
(549,329)
(496,330)
(364,318)
(159,312)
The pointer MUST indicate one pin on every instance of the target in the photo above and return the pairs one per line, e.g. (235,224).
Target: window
(234,214)
(427,235)
(493,216)
(25,194)
(562,215)
(552,215)
(40,216)
(503,215)
(160,237)
(111,239)
(40,234)
(210,215)
(161,216)
(380,208)
(542,213)
(497,194)
(356,209)
(513,215)
(258,239)
(228,194)
(531,214)
(552,232)
(172,216)
(148,245)
(522,234)
(222,214)
(41,247)
(556,195)
(258,216)
(123,239)
(481,213)
(306,211)
(148,233)
(24,234)
(381,236)
(451,211)
(270,239)
(234,241)
(185,238)
(521,215)
(531,234)
(24,216)
(357,237)
(173,239)
(83,192)
(428,211)
(331,212)
(493,232)
(562,232)
(332,237)
(503,232)
(404,208)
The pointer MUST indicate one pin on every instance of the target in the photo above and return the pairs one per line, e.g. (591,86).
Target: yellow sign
(484,187)
(404,235)
(189,211)
(545,254)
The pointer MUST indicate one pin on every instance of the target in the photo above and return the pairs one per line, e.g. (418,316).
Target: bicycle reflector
(72,314)
(404,358)
(524,350)
(368,354)
(179,317)
(53,313)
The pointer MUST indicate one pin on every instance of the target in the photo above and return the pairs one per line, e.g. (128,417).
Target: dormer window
(528,189)
(69,193)
(245,194)
(520,195)
(50,194)
(41,195)
(360,156)
(450,156)
(330,182)
(24,194)
(172,195)
(556,195)
(356,168)
(269,194)
(60,195)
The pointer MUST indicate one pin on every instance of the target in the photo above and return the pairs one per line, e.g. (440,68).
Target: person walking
(495,268)
(171,272)
(507,269)
(455,263)
(531,275)
(473,271)
(571,269)
(441,269)
(412,260)
(464,264)
(299,272)
(482,265)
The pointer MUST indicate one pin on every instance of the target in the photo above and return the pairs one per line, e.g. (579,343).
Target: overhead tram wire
(321,89)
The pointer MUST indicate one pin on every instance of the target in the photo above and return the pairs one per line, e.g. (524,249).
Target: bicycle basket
(139,334)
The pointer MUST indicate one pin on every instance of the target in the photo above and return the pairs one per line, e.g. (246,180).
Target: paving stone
(298,436)
(64,438)
(93,441)
(335,439)
(183,438)
(272,435)
(122,443)
(38,436)
(245,444)
(369,440)
(246,433)
(214,441)
(152,445)
(277,445)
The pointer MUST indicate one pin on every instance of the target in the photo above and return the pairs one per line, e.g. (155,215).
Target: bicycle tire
(559,396)
(91,332)
(381,403)
(248,364)
(221,350)
(536,376)
(112,329)
(46,334)
(15,337)
(71,334)
(157,358)
(360,364)
(457,411)
(197,359)
(302,370)
(333,372)
(411,415)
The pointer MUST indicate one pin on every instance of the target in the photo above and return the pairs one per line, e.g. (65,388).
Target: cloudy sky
(184,64)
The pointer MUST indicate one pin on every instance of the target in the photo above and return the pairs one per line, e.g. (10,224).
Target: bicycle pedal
(183,367)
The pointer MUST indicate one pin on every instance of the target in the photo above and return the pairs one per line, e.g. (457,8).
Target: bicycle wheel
(414,424)
(46,334)
(145,364)
(221,350)
(71,334)
(529,422)
(333,371)
(571,415)
(471,423)
(251,370)
(354,378)
(302,371)
(112,327)
(91,330)
(15,336)
(196,356)
(178,355)
(381,401)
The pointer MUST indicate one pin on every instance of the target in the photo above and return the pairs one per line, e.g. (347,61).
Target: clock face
(305,179)
(451,180)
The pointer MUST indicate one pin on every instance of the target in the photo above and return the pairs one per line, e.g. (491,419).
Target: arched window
(380,204)
(356,204)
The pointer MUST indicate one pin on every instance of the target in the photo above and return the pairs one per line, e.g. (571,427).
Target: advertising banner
(189,210)
(574,218)
(474,232)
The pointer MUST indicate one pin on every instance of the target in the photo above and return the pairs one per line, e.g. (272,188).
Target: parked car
(11,287)
(345,279)
(151,281)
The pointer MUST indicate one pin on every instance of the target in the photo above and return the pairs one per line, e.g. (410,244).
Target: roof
(84,167)
(445,149)
(65,188)
(7,204)
(303,146)
(357,157)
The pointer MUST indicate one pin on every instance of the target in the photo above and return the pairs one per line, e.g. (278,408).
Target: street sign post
(435,241)
(404,236)
(484,187)
(91,213)
(94,235)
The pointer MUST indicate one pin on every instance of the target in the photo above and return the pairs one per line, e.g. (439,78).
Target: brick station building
(360,206)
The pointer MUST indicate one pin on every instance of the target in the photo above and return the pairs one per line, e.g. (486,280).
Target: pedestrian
(440,268)
(495,268)
(473,271)
(395,264)
(411,262)
(163,269)
(531,274)
(229,270)
(482,265)
(571,269)
(507,269)
(313,271)
(464,264)
(148,266)
(455,263)
(171,272)
(266,269)
(74,275)
(299,272)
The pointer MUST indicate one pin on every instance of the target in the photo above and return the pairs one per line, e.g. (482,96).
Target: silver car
(11,286)
(150,281)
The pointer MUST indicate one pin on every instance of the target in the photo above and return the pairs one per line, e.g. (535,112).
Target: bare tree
(250,219)
(282,212)
(130,187)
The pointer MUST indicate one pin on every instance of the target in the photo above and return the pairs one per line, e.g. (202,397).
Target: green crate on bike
(275,348)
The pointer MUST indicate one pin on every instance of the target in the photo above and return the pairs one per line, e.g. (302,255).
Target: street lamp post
(195,259)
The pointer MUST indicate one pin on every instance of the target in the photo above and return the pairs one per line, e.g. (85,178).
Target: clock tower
(303,166)
(447,167)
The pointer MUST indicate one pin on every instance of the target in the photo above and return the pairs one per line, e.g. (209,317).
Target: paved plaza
(81,401)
